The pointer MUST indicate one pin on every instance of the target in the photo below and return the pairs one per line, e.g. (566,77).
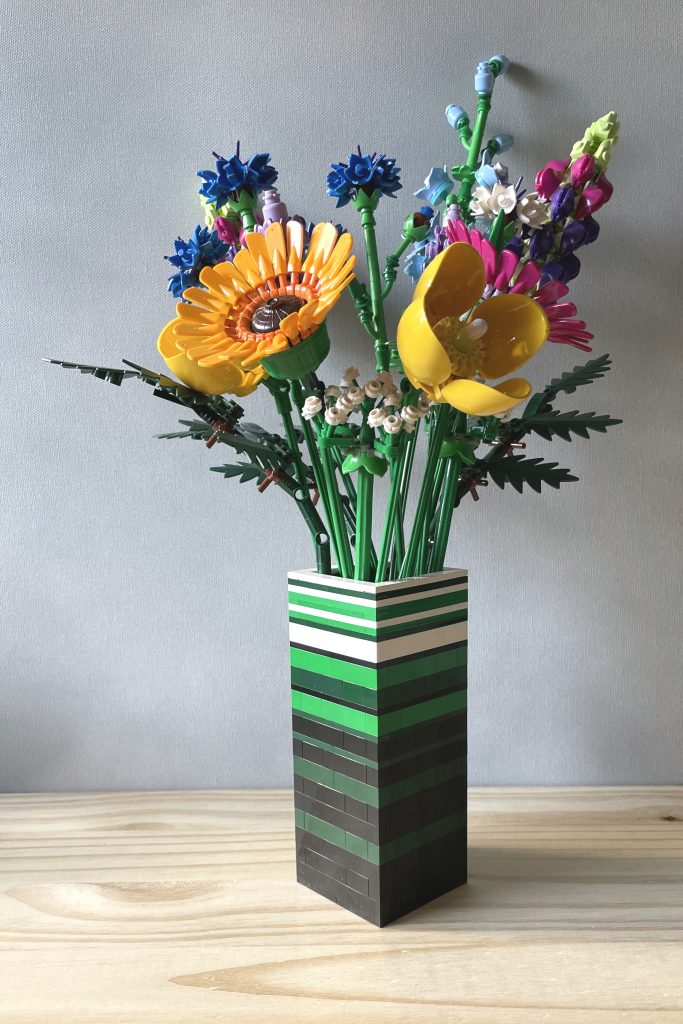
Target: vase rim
(371,587)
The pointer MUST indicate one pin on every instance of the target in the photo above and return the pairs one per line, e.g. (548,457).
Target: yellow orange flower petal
(227,378)
(452,282)
(476,399)
(516,328)
(424,359)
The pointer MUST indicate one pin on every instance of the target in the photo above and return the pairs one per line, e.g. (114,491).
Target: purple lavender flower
(573,236)
(542,241)
(561,203)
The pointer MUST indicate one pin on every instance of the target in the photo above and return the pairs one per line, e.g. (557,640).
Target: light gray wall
(143,598)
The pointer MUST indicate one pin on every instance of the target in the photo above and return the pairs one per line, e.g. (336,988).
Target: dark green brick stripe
(387,699)
(377,613)
(367,723)
(395,746)
(392,768)
(386,673)
(384,795)
(372,852)
(378,633)
(382,595)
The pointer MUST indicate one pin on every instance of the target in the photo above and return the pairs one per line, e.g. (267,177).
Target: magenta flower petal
(582,170)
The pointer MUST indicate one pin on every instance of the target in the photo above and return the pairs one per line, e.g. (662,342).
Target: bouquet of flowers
(491,263)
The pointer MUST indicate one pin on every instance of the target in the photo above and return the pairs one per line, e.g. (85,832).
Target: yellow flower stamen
(464,351)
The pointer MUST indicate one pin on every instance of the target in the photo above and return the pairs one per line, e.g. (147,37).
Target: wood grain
(182,908)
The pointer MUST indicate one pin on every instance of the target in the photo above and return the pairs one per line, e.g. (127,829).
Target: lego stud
(268,316)
(499,64)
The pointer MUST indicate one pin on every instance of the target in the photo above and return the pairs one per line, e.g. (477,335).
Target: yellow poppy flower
(267,300)
(443,350)
(228,378)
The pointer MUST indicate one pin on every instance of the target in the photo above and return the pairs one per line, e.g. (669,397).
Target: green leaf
(112,375)
(244,470)
(518,470)
(551,423)
(589,372)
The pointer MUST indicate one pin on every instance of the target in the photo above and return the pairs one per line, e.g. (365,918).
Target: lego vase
(379,711)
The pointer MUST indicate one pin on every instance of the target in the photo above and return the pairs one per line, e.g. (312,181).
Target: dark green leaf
(551,423)
(518,471)
(580,375)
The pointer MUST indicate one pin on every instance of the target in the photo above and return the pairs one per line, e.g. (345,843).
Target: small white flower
(409,426)
(389,385)
(423,404)
(346,404)
(376,417)
(356,395)
(350,374)
(311,407)
(392,424)
(410,414)
(479,203)
(394,399)
(332,391)
(334,417)
(532,211)
(373,388)
(503,197)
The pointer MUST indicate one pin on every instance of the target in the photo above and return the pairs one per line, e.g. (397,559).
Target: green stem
(445,514)
(363,304)
(364,529)
(279,391)
(368,224)
(337,515)
(391,270)
(474,149)
(424,501)
(389,522)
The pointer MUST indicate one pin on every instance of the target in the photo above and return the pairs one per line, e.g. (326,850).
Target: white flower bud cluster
(402,418)
(311,407)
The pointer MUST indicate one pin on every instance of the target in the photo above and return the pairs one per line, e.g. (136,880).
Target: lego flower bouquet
(378,629)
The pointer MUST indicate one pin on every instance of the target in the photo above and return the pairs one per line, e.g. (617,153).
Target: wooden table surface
(181,908)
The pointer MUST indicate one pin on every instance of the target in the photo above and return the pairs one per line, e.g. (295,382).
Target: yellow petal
(295,245)
(307,315)
(258,247)
(476,399)
(340,252)
(232,276)
(290,326)
(220,380)
(516,328)
(247,267)
(422,355)
(218,286)
(332,283)
(200,297)
(277,247)
(452,282)
(323,237)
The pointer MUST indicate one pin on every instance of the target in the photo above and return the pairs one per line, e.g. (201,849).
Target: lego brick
(358,882)
(361,830)
(310,841)
(344,895)
(324,795)
(326,866)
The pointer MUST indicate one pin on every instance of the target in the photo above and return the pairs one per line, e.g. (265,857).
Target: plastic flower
(532,211)
(549,177)
(272,297)
(227,378)
(438,184)
(446,340)
(232,175)
(593,197)
(488,204)
(365,173)
(202,249)
(599,139)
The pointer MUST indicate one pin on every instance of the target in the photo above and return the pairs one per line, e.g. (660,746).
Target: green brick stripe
(381,796)
(383,592)
(387,762)
(386,699)
(369,724)
(371,851)
(370,632)
(378,613)
(382,675)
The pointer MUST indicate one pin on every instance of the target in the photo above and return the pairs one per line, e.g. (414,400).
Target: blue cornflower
(369,173)
(202,249)
(231,175)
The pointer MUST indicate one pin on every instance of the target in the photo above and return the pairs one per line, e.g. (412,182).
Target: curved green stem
(368,224)
(391,269)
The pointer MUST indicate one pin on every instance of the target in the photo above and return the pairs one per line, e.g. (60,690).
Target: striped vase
(379,697)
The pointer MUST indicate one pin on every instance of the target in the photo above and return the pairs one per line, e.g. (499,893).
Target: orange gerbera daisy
(269,299)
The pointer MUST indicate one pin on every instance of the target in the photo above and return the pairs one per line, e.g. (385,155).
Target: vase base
(382,894)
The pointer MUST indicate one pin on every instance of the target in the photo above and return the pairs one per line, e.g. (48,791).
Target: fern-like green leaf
(518,471)
(243,470)
(588,372)
(551,423)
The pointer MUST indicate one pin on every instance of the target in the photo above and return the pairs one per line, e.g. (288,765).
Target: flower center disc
(463,351)
(268,316)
